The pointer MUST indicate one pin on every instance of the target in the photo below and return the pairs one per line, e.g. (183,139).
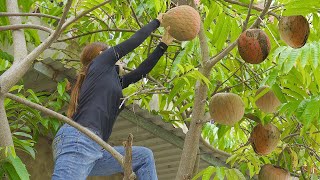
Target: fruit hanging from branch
(184,22)
(264,138)
(268,102)
(294,30)
(254,46)
(270,172)
(226,108)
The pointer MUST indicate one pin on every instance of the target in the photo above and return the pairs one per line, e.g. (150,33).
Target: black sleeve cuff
(163,46)
(158,22)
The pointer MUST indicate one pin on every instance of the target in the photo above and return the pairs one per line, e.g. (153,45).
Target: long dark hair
(89,52)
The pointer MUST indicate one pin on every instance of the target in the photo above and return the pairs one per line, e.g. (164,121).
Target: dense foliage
(293,74)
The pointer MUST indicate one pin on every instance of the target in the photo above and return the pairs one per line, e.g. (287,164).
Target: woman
(94,104)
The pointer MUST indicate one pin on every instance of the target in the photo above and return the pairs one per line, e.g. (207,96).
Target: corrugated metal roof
(148,130)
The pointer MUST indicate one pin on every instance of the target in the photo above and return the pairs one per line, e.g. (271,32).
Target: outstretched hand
(160,17)
(167,38)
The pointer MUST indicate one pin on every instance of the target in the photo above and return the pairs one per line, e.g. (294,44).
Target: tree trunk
(19,52)
(191,143)
(5,133)
(19,41)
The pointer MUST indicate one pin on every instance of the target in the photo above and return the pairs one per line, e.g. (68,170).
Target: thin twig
(297,134)
(245,24)
(25,26)
(29,14)
(134,14)
(72,20)
(114,23)
(142,91)
(253,7)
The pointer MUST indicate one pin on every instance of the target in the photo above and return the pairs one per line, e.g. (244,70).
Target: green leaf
(310,113)
(294,55)
(232,159)
(218,28)
(236,174)
(177,88)
(183,96)
(224,33)
(34,96)
(23,134)
(251,169)
(175,63)
(278,92)
(315,53)
(61,88)
(284,55)
(16,169)
(305,53)
(208,173)
(220,173)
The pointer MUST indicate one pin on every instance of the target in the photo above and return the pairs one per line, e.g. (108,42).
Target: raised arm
(113,54)
(147,65)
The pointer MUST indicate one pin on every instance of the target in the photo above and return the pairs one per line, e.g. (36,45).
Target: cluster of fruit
(254,47)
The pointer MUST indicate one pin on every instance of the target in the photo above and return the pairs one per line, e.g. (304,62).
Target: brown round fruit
(264,139)
(269,102)
(226,108)
(294,30)
(270,172)
(184,22)
(254,46)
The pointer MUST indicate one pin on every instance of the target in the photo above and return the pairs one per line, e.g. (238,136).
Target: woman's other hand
(160,17)
(167,38)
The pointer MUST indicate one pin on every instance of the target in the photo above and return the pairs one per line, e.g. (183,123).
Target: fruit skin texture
(269,102)
(264,139)
(226,108)
(184,22)
(294,30)
(270,172)
(254,46)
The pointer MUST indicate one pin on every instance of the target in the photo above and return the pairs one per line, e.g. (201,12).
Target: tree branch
(25,26)
(82,129)
(19,41)
(72,20)
(16,71)
(297,134)
(19,52)
(253,7)
(5,133)
(29,14)
(214,150)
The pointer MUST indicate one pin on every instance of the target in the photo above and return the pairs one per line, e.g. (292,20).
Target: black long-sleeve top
(101,92)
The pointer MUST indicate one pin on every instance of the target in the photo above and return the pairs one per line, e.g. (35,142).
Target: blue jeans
(76,156)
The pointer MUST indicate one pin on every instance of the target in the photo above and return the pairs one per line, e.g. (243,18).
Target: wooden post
(128,174)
